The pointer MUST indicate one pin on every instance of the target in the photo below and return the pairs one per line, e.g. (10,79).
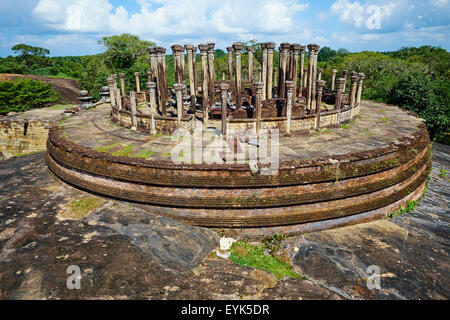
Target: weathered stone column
(288,63)
(237,46)
(290,92)
(183,65)
(314,75)
(305,83)
(189,49)
(119,100)
(284,52)
(362,76)
(122,83)
(224,98)
(179,95)
(339,91)
(153,108)
(320,85)
(354,81)
(300,90)
(177,52)
(344,76)
(250,64)
(149,76)
(205,98)
(319,74)
(275,77)
(294,67)
(212,74)
(112,99)
(259,86)
(194,67)
(333,78)
(153,64)
(270,68)
(138,82)
(133,110)
(162,84)
(230,63)
(264,69)
(309,92)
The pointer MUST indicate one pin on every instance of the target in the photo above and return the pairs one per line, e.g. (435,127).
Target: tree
(325,54)
(31,56)
(342,52)
(123,50)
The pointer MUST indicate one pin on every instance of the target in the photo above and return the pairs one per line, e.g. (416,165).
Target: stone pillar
(362,76)
(212,74)
(275,77)
(354,81)
(319,74)
(288,63)
(153,108)
(138,82)
(179,95)
(237,46)
(230,63)
(177,51)
(149,76)
(270,68)
(112,98)
(189,48)
(305,83)
(294,67)
(250,64)
(153,64)
(119,100)
(333,78)
(344,76)
(224,98)
(284,52)
(194,67)
(289,98)
(162,84)
(183,65)
(122,83)
(264,70)
(259,86)
(205,98)
(320,85)
(339,91)
(300,90)
(133,110)
(314,75)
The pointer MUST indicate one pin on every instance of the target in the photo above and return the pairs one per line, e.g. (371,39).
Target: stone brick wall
(19,137)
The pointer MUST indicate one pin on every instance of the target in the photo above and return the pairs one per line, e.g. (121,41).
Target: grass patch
(79,208)
(410,205)
(144,154)
(345,126)
(125,151)
(61,106)
(107,147)
(26,153)
(248,255)
(443,173)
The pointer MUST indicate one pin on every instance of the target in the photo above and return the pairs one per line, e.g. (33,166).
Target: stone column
(189,48)
(119,100)
(153,64)
(290,92)
(250,64)
(224,98)
(320,85)
(153,108)
(305,83)
(270,68)
(339,91)
(122,83)
(212,74)
(259,86)
(237,46)
(149,76)
(294,69)
(344,76)
(302,66)
(314,75)
(230,63)
(179,95)
(183,65)
(362,76)
(194,67)
(354,80)
(138,83)
(205,98)
(333,78)
(264,69)
(162,84)
(112,98)
(319,74)
(288,63)
(309,91)
(275,77)
(133,110)
(177,52)
(284,52)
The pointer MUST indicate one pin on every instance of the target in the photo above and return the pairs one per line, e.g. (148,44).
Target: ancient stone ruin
(324,157)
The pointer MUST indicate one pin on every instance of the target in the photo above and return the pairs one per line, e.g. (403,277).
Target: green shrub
(23,94)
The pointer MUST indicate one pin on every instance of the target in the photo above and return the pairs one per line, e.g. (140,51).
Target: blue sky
(73,27)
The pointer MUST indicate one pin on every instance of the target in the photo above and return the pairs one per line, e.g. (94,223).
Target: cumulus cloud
(171,17)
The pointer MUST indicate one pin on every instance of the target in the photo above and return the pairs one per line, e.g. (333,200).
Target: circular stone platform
(356,173)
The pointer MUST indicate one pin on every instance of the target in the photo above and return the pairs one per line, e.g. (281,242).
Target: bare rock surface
(125,252)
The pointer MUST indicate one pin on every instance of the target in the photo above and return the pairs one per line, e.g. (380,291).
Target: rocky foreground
(125,252)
